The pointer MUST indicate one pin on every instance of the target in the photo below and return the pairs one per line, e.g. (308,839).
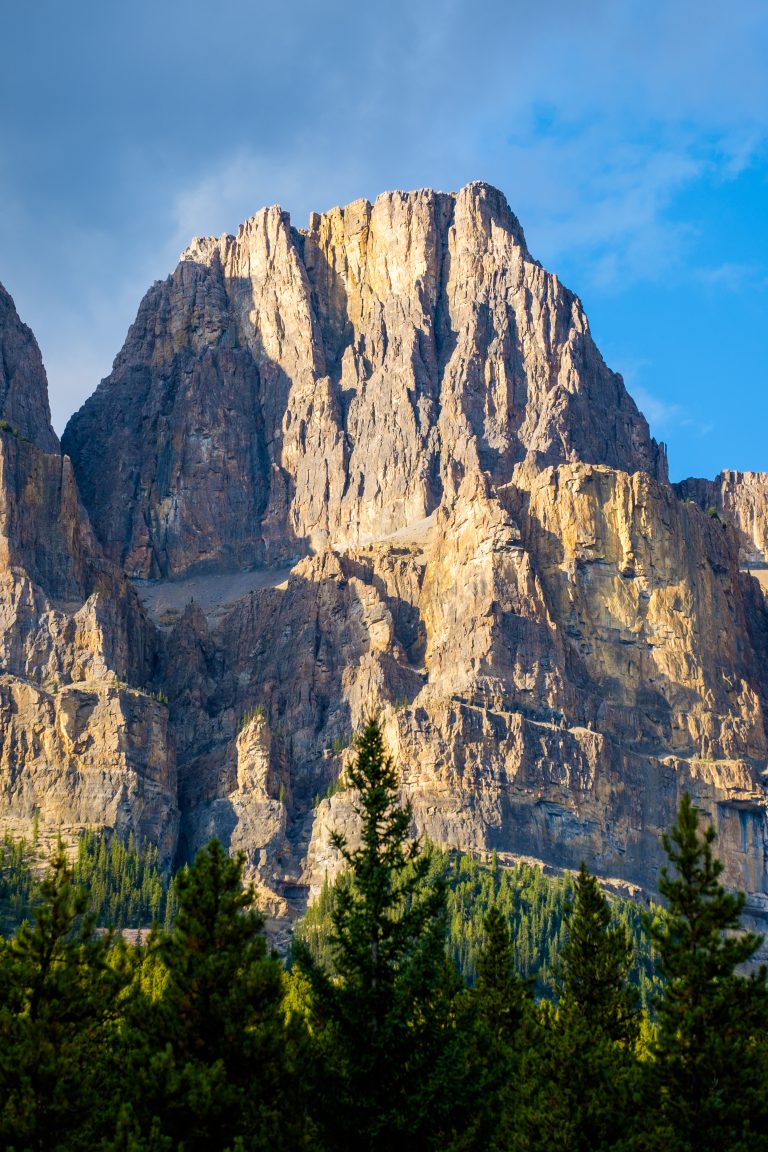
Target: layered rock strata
(81,740)
(380,463)
(741,498)
(557,660)
(286,391)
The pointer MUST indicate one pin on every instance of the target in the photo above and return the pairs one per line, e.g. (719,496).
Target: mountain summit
(379,463)
(287,391)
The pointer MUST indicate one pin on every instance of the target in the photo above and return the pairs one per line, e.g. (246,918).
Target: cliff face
(287,391)
(81,742)
(557,660)
(379,463)
(741,498)
(23,387)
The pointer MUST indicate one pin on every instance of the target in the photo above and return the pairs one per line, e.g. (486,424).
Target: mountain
(284,392)
(381,463)
(81,741)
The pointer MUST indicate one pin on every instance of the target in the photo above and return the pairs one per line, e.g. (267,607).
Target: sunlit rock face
(741,498)
(379,464)
(82,742)
(287,391)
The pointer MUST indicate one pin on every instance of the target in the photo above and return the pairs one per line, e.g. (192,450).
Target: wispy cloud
(596,119)
(664,417)
(733,276)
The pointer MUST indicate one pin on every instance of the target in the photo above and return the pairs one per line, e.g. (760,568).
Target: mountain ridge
(401,420)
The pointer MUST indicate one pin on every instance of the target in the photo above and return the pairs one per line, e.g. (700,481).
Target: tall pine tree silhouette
(386,1013)
(710,1068)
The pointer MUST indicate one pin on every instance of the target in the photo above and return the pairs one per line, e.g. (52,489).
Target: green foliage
(383,1013)
(198,1039)
(582,1065)
(60,998)
(492,1023)
(217,1020)
(17,884)
(710,1059)
(534,906)
(336,786)
(255,713)
(595,964)
(126,886)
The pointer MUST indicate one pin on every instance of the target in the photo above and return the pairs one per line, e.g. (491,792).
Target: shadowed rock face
(23,385)
(81,742)
(289,390)
(741,498)
(457,516)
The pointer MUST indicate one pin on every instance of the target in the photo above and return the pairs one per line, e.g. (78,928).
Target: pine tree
(581,1066)
(710,1068)
(384,1020)
(216,1068)
(60,1003)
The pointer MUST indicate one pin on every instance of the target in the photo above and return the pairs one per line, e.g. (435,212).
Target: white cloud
(733,276)
(664,417)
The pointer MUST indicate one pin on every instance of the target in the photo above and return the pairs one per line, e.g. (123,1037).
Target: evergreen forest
(429,1002)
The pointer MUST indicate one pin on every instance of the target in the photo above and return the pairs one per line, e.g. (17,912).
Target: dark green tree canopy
(595,965)
(710,1060)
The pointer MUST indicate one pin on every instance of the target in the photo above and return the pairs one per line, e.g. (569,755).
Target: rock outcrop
(287,391)
(741,498)
(557,660)
(81,741)
(379,463)
(23,385)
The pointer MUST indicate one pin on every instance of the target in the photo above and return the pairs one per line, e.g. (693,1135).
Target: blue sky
(631,138)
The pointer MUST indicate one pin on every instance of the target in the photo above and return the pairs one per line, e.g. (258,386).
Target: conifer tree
(492,1031)
(501,993)
(595,964)
(217,1054)
(385,1019)
(582,1067)
(60,1002)
(710,1070)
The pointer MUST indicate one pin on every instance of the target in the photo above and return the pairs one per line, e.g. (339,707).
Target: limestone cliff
(81,742)
(23,387)
(285,391)
(557,660)
(379,463)
(741,498)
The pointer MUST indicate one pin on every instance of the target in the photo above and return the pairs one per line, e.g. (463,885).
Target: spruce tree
(502,996)
(61,987)
(217,1058)
(383,1020)
(491,1033)
(581,1066)
(595,964)
(710,1072)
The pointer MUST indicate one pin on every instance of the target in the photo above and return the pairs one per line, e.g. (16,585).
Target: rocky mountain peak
(23,384)
(288,390)
(377,462)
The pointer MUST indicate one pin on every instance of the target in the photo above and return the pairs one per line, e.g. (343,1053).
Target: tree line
(125,883)
(199,1038)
